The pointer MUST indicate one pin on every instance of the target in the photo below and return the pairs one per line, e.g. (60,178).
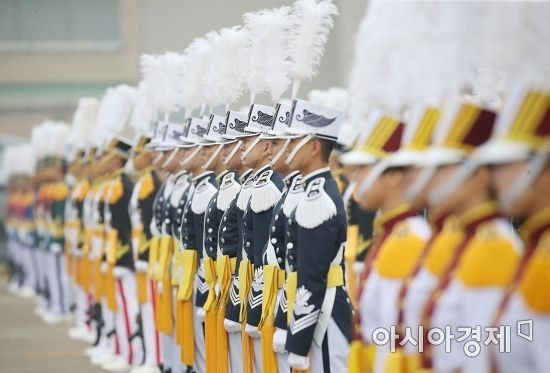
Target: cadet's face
(369,199)
(502,176)
(207,152)
(235,161)
(411,175)
(280,165)
(250,160)
(442,174)
(298,160)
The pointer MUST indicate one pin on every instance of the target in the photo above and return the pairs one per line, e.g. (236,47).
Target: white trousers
(200,348)
(57,282)
(235,352)
(41,276)
(108,342)
(151,337)
(126,315)
(338,348)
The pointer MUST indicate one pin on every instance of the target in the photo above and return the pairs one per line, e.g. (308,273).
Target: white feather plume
(84,121)
(56,139)
(227,64)
(513,39)
(196,63)
(312,22)
(334,97)
(144,112)
(268,51)
(411,53)
(25,159)
(115,108)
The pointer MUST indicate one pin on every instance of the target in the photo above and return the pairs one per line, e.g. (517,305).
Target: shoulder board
(244,195)
(316,206)
(229,188)
(115,191)
(204,192)
(293,195)
(265,193)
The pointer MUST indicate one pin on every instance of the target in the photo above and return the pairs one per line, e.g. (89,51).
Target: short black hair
(327,146)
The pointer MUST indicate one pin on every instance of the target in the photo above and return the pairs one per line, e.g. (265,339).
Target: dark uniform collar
(534,227)
(245,175)
(290,178)
(262,169)
(197,179)
(180,173)
(322,172)
(221,175)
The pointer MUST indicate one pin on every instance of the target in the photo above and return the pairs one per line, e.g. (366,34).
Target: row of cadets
(490,272)
(468,269)
(19,168)
(489,259)
(141,210)
(78,264)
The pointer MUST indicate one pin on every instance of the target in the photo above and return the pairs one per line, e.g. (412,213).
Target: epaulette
(265,193)
(244,195)
(293,196)
(202,196)
(229,188)
(316,206)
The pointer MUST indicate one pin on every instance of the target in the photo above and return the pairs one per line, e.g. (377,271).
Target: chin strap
(250,147)
(170,158)
(420,183)
(213,157)
(279,153)
(371,178)
(157,158)
(297,148)
(233,152)
(191,156)
(524,179)
(443,191)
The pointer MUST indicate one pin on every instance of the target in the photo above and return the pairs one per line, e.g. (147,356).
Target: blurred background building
(54,51)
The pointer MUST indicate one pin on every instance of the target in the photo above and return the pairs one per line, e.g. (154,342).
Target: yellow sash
(210,278)
(112,246)
(245,281)
(153,256)
(165,255)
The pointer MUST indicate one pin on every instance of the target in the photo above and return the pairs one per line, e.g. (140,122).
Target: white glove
(298,362)
(279,340)
(56,248)
(231,326)
(252,331)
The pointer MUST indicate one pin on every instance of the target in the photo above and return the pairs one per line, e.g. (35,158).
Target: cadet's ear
(316,148)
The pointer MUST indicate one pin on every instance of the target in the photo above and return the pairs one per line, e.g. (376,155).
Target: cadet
(266,192)
(318,227)
(231,227)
